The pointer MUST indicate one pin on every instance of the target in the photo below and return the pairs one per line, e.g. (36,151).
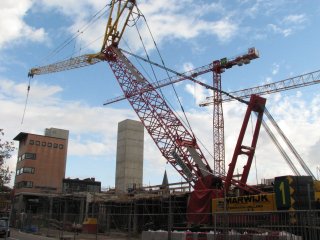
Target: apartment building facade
(41,162)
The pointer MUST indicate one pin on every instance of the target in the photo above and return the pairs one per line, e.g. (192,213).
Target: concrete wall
(129,167)
(57,133)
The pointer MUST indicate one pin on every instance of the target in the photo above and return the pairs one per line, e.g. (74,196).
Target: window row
(29,156)
(44,144)
(46,188)
(24,184)
(25,170)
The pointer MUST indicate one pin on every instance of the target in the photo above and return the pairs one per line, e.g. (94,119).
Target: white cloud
(289,24)
(12,24)
(224,29)
(76,9)
(183,20)
(277,29)
(296,117)
(96,127)
(188,67)
(275,68)
(295,19)
(257,8)
(93,131)
(198,92)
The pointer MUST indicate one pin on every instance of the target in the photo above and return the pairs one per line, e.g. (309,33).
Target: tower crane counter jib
(219,66)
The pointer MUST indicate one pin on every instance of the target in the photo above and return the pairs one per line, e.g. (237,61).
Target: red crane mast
(174,141)
(219,66)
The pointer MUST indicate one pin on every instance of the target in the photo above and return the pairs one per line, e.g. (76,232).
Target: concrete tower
(129,167)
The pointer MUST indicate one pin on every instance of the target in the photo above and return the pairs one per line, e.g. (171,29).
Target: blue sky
(189,34)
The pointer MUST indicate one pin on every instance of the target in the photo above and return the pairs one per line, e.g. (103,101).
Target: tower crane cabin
(175,142)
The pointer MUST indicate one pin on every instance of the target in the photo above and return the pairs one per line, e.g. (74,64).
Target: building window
(43,144)
(55,145)
(31,142)
(28,184)
(49,144)
(31,156)
(19,158)
(25,184)
(60,146)
(45,188)
(38,143)
(27,170)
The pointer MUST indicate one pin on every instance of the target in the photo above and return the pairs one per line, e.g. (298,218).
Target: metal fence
(295,225)
(274,225)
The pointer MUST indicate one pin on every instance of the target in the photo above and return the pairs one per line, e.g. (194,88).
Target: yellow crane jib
(76,62)
(120,12)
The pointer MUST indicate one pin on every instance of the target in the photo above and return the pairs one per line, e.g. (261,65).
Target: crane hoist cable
(138,62)
(75,35)
(289,144)
(93,19)
(156,78)
(152,68)
(147,55)
(169,103)
(147,74)
(280,148)
(190,78)
(26,102)
(163,64)
(151,65)
(264,124)
(186,77)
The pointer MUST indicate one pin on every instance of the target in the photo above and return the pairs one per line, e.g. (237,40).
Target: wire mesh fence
(296,225)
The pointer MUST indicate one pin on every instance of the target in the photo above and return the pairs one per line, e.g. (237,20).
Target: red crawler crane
(174,141)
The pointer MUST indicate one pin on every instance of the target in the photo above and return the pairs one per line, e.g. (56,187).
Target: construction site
(210,202)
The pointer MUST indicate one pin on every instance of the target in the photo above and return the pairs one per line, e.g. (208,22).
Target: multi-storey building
(41,162)
(77,185)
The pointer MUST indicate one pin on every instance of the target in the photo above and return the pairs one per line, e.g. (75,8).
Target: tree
(6,149)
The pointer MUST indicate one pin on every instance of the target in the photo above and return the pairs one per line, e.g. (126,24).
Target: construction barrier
(293,225)
(160,235)
(90,225)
